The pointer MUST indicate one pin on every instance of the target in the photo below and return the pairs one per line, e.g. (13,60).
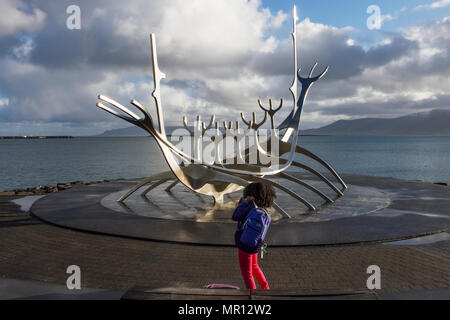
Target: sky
(220,57)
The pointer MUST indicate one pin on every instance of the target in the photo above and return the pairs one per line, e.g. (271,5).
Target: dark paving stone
(431,294)
(37,251)
(32,290)
(145,293)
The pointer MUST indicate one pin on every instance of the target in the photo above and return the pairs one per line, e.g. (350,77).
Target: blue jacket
(239,214)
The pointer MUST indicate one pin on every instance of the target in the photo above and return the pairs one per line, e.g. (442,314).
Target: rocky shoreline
(41,190)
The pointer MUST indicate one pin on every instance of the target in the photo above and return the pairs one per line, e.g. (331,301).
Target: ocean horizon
(29,163)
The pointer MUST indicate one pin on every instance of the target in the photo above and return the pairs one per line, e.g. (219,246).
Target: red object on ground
(220,286)
(249,268)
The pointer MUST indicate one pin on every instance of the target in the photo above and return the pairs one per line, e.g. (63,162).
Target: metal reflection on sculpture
(227,174)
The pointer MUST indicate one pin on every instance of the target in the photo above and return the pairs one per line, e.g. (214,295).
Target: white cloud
(214,32)
(22,52)
(434,5)
(278,20)
(199,41)
(413,82)
(386,17)
(350,42)
(14,18)
(219,57)
(4,102)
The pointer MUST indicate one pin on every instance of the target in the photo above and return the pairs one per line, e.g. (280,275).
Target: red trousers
(249,268)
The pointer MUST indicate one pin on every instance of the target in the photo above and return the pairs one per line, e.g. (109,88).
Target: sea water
(28,163)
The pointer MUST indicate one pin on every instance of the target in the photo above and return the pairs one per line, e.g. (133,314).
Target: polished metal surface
(183,204)
(230,172)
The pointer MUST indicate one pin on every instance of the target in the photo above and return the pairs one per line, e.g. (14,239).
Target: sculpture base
(372,209)
(180,203)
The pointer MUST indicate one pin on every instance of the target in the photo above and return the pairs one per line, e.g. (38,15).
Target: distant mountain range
(129,131)
(435,122)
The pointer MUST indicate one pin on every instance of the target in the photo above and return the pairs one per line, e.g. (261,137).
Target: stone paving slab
(430,294)
(35,251)
(13,289)
(145,293)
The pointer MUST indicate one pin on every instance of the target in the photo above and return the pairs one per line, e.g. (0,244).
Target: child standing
(256,196)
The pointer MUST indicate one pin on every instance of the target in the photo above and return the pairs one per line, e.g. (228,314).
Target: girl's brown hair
(263,193)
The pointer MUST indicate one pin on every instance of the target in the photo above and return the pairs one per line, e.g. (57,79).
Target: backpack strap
(262,208)
(264,245)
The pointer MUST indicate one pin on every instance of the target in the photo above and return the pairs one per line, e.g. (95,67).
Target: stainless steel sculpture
(231,173)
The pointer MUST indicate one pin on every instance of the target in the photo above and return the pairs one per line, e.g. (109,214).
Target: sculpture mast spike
(157,76)
(293,88)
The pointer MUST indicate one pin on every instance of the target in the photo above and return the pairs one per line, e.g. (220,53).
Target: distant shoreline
(36,137)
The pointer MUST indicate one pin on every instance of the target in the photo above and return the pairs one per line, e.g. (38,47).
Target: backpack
(255,227)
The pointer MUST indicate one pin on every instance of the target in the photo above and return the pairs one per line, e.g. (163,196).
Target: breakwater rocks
(40,190)
(36,137)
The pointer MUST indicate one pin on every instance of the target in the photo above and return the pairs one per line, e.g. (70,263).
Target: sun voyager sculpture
(230,172)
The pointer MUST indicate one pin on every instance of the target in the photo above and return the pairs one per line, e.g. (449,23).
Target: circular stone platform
(372,209)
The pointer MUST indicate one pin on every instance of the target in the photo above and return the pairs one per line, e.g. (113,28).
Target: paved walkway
(32,250)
